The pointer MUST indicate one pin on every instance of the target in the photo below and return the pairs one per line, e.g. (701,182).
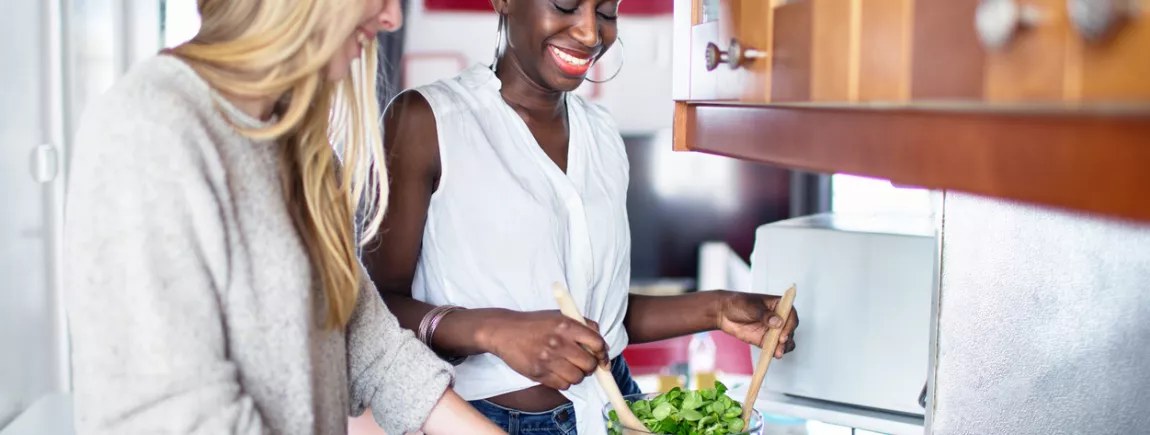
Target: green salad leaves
(678,412)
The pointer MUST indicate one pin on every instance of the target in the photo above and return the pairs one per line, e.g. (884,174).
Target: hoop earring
(498,40)
(621,62)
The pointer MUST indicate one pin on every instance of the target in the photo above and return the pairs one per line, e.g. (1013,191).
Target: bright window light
(863,195)
(181,21)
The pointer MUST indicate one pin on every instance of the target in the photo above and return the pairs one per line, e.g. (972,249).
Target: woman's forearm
(408,311)
(460,333)
(452,415)
(654,318)
(648,319)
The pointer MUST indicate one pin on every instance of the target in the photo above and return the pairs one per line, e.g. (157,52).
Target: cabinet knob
(997,21)
(922,395)
(1095,19)
(45,163)
(735,56)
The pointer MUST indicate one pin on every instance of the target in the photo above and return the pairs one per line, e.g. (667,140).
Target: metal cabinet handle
(997,21)
(735,56)
(922,396)
(45,163)
(1096,19)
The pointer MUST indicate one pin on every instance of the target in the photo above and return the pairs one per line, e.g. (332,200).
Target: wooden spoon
(606,380)
(770,343)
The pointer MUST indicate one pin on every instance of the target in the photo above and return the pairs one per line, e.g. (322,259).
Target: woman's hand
(546,346)
(748,316)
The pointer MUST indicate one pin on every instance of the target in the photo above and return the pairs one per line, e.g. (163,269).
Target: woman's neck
(258,108)
(527,97)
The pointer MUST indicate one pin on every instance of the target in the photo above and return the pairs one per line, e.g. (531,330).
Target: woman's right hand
(547,347)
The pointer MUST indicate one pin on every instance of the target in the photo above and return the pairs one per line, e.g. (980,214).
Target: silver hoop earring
(498,40)
(622,60)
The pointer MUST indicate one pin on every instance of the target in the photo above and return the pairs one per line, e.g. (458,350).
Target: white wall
(639,98)
(439,45)
(1044,322)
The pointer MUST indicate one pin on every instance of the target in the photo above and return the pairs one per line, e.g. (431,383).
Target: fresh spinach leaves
(678,412)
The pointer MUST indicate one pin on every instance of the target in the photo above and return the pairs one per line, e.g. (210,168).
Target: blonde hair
(279,50)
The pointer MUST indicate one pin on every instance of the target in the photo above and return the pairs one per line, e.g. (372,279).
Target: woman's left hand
(749,316)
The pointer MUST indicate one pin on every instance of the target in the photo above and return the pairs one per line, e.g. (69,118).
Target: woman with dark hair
(504,182)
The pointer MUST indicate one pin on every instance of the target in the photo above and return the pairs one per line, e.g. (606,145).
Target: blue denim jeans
(558,421)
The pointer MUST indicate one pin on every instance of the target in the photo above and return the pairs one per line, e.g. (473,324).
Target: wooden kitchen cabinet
(1052,60)
(1031,100)
(849,51)
(718,22)
(802,50)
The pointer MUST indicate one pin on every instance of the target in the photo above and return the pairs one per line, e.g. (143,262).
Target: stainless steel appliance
(865,287)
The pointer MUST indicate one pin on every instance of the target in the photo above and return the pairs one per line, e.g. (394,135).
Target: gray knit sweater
(190,295)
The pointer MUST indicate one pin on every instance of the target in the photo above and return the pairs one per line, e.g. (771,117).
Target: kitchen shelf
(1093,159)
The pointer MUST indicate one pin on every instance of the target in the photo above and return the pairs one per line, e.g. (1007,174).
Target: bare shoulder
(411,138)
(410,107)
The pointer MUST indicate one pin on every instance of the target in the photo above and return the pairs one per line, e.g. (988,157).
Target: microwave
(864,289)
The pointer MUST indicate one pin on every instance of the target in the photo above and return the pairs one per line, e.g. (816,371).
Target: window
(180,20)
(864,195)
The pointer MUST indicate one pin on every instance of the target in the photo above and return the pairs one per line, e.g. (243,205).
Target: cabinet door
(1117,67)
(791,50)
(1031,64)
(859,50)
(720,22)
(1053,60)
(920,51)
(947,61)
(31,364)
(839,51)
(833,53)
(816,50)
(884,41)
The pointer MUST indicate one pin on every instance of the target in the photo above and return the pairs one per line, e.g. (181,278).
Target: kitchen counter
(50,415)
(825,412)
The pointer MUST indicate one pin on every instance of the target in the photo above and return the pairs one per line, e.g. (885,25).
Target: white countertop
(49,415)
(52,415)
(826,412)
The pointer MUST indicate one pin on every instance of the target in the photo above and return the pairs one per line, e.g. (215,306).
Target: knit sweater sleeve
(389,369)
(145,255)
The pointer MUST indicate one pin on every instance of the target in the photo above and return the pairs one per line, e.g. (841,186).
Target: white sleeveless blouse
(506,222)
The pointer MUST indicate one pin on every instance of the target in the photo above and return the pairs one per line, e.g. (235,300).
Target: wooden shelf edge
(683,126)
(1078,161)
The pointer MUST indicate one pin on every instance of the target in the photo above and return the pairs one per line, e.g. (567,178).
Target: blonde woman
(212,279)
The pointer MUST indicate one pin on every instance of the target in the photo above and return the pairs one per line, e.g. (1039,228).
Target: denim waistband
(558,421)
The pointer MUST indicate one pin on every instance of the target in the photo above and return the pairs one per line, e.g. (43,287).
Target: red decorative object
(646,7)
(658,357)
(732,355)
(626,8)
(458,5)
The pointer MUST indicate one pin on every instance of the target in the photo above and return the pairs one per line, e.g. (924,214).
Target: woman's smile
(571,62)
